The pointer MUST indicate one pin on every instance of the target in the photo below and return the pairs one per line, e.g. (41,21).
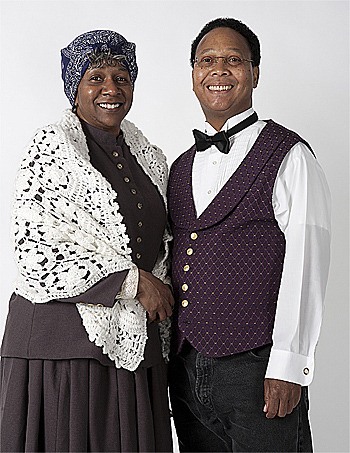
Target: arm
(301,203)
(119,284)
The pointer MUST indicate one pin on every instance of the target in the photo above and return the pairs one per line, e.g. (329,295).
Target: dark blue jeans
(217,405)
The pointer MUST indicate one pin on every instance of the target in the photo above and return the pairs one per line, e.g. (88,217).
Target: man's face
(224,91)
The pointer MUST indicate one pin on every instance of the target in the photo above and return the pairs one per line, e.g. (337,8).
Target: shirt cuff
(130,285)
(291,367)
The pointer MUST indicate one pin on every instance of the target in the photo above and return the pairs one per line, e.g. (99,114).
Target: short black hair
(236,25)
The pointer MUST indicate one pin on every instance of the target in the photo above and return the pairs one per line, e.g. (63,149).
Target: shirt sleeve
(301,202)
(120,285)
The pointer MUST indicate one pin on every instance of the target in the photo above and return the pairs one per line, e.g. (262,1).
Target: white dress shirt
(301,204)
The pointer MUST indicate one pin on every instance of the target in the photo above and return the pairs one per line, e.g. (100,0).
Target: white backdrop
(303,85)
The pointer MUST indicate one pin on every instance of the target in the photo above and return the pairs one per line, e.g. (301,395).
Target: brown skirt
(80,405)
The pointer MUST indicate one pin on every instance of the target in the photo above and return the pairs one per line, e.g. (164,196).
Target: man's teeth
(220,87)
(110,106)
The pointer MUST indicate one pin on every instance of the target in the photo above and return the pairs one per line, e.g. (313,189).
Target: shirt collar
(210,130)
(105,139)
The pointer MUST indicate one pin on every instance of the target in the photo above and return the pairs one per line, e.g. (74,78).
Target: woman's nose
(110,86)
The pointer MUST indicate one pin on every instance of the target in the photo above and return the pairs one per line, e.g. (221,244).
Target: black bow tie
(221,139)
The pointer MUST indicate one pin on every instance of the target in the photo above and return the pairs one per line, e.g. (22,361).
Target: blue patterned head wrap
(75,57)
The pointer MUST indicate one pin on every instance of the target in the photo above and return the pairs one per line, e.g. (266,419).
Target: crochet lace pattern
(68,233)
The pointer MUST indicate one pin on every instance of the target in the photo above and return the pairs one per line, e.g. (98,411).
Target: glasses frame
(216,60)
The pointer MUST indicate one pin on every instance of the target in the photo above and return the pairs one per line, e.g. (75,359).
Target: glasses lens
(208,61)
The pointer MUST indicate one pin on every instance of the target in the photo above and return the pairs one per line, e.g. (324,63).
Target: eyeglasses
(209,61)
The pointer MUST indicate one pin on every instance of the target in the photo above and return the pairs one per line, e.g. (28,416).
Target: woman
(82,365)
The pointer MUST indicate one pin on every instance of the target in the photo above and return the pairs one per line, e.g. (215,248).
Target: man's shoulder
(282,129)
(274,128)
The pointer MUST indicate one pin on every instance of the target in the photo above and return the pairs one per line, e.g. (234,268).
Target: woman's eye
(122,80)
(96,78)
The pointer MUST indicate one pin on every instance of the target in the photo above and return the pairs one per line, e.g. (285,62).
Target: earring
(74,108)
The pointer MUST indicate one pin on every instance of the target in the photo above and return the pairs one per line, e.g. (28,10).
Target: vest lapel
(180,187)
(244,177)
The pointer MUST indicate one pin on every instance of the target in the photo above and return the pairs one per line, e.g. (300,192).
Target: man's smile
(220,87)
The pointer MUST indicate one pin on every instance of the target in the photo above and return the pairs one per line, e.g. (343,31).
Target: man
(249,207)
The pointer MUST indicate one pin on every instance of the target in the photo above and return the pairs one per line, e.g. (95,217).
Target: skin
(155,297)
(280,397)
(219,106)
(112,85)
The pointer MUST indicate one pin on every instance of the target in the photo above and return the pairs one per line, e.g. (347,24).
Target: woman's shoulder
(139,143)
(54,136)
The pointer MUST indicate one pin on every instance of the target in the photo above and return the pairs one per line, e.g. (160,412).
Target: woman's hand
(155,297)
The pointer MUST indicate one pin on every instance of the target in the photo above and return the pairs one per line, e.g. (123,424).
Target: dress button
(139,239)
(184,287)
(126,179)
(140,224)
(306,371)
(189,251)
(194,236)
(119,166)
(186,267)
(138,255)
(115,154)
(140,205)
(133,191)
(184,303)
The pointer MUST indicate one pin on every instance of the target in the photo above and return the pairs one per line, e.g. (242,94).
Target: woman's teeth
(110,106)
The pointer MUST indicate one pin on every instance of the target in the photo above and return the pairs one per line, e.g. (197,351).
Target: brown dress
(58,391)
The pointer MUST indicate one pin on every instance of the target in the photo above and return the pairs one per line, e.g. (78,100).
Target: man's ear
(256,74)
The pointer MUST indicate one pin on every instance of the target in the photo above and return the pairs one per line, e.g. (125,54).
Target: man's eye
(207,60)
(234,59)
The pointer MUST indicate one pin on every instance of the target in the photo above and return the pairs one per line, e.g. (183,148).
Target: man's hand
(281,397)
(154,296)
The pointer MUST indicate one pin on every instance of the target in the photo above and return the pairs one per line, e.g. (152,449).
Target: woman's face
(104,97)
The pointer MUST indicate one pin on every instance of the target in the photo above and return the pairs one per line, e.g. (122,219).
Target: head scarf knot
(75,57)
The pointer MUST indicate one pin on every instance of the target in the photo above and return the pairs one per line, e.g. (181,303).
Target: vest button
(194,236)
(184,287)
(184,303)
(189,251)
(306,371)
(186,267)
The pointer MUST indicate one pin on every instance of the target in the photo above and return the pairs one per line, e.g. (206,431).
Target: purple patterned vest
(227,263)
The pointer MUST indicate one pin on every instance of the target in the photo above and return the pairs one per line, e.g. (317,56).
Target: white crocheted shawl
(69,234)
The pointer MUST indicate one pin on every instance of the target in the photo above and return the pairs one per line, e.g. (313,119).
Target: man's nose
(221,66)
